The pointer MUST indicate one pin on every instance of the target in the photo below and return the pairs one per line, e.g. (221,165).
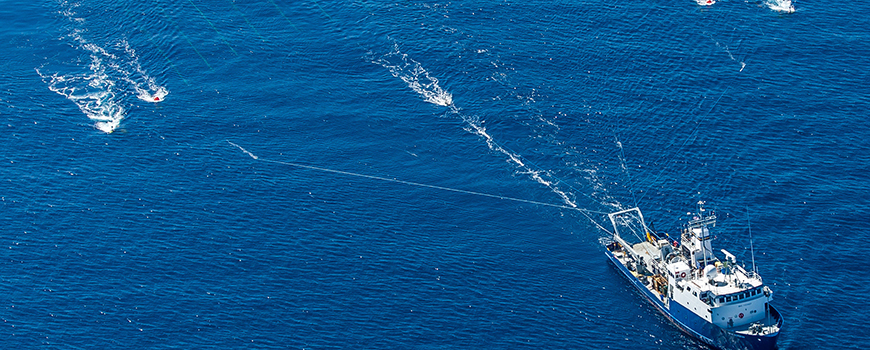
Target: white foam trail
(728,51)
(99,91)
(93,93)
(413,74)
(418,79)
(146,88)
(476,127)
(781,5)
(243,150)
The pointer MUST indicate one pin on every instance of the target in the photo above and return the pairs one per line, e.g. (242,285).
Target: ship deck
(645,277)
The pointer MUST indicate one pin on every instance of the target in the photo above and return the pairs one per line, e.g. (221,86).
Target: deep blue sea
(267,174)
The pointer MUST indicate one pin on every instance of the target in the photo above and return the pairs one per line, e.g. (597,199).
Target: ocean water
(419,175)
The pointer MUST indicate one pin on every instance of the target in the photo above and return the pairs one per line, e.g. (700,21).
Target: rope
(410,183)
(625,168)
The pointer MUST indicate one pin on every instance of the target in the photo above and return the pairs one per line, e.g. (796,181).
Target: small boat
(714,300)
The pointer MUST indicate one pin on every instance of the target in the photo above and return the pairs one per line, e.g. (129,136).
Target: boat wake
(413,74)
(781,6)
(475,126)
(728,51)
(94,93)
(98,89)
(146,88)
(244,150)
(418,79)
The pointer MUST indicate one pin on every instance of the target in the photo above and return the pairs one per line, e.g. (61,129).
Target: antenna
(751,249)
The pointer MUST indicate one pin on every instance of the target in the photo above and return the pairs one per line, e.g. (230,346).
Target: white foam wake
(412,73)
(728,51)
(111,73)
(94,93)
(781,5)
(243,150)
(418,79)
(146,88)
(475,126)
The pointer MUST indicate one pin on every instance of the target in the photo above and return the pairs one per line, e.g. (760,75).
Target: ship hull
(694,325)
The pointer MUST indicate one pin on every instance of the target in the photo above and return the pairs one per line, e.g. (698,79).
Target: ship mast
(751,248)
(699,233)
(703,246)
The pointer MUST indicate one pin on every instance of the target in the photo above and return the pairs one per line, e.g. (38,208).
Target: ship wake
(412,73)
(418,79)
(110,73)
(784,6)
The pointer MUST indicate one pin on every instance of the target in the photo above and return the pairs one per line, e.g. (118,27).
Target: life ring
(741,315)
(683,275)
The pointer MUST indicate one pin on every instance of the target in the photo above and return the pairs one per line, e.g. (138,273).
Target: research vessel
(714,300)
